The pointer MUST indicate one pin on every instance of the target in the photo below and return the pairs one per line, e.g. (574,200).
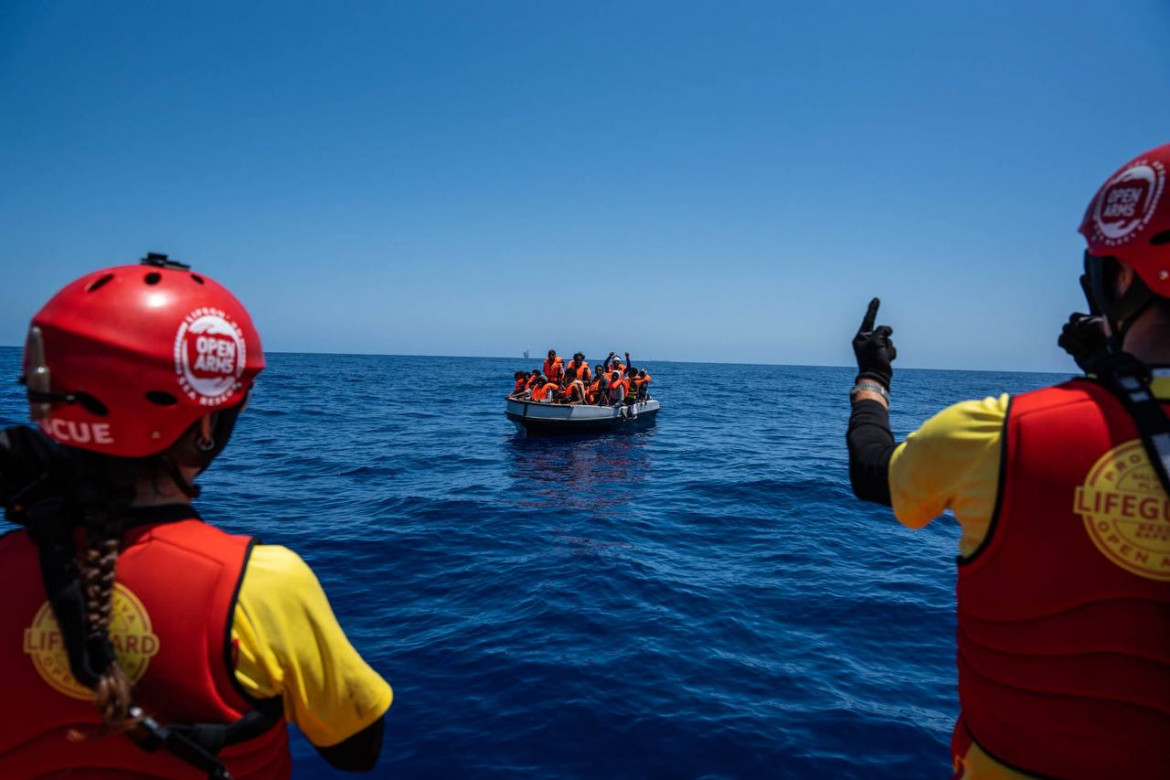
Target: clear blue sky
(690,181)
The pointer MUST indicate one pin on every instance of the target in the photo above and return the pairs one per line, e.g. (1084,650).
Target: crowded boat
(614,382)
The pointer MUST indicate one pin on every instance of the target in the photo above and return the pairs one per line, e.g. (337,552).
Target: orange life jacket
(1064,613)
(591,394)
(581,371)
(568,393)
(541,392)
(554,368)
(174,598)
(521,384)
(532,380)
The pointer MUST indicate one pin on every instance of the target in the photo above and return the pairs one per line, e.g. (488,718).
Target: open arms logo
(1127,202)
(209,356)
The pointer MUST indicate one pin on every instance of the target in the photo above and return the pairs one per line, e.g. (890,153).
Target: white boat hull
(533,417)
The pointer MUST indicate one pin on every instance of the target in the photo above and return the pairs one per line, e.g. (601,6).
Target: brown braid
(97,575)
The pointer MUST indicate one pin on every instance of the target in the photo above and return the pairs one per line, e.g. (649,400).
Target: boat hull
(537,419)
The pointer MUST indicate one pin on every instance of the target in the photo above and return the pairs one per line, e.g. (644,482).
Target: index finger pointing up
(870,315)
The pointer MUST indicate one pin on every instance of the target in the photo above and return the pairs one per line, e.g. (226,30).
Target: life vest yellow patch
(130,634)
(1126,511)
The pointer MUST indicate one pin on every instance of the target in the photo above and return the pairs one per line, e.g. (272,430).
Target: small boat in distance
(534,418)
(526,349)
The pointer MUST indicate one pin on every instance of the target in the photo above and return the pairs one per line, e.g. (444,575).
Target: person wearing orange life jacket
(644,381)
(1063,498)
(573,391)
(591,393)
(545,392)
(579,368)
(534,379)
(601,393)
(521,382)
(619,387)
(135,378)
(554,366)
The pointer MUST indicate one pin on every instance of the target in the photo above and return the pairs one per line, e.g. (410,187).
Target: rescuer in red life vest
(1061,495)
(135,377)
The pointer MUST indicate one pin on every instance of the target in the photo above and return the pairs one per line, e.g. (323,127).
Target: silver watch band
(872,387)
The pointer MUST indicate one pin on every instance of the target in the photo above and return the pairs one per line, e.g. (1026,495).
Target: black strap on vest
(198,744)
(1129,380)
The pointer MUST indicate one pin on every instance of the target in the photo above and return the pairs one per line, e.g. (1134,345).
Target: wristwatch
(873,387)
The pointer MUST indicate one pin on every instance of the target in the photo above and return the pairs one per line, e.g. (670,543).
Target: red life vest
(554,368)
(174,599)
(521,384)
(1064,613)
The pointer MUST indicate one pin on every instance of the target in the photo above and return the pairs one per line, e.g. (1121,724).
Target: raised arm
(871,443)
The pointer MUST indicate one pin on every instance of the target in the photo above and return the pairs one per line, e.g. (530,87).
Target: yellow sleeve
(291,645)
(951,462)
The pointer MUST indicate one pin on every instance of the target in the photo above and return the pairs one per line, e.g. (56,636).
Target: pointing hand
(873,348)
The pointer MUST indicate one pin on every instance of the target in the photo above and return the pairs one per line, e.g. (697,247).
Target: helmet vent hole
(91,404)
(1161,238)
(153,278)
(100,283)
(197,278)
(160,398)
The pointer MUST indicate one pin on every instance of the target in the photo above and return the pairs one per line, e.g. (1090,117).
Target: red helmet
(1129,219)
(122,361)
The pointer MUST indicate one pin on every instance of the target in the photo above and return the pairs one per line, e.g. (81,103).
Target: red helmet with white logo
(124,360)
(1129,219)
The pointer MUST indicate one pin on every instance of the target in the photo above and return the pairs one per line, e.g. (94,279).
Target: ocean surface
(702,599)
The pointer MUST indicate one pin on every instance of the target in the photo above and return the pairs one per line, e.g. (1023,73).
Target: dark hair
(102,489)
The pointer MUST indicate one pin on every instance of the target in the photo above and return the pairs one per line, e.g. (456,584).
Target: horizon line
(649,360)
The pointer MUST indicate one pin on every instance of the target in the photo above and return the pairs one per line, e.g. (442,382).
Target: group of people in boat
(615,381)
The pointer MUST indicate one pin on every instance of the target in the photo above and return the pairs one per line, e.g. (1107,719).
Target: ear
(1125,276)
(207,426)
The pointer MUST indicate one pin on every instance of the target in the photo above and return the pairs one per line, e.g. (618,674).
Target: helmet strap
(1100,287)
(189,489)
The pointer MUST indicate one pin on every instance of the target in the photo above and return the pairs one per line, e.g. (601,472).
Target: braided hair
(103,490)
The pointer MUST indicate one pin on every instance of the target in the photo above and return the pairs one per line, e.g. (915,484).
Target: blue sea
(702,599)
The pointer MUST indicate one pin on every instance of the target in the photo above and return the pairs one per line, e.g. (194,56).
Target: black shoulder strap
(1129,381)
(198,744)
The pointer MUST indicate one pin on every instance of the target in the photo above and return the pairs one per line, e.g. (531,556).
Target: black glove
(873,348)
(1083,337)
(28,462)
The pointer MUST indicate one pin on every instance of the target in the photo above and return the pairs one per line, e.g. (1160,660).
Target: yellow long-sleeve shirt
(290,645)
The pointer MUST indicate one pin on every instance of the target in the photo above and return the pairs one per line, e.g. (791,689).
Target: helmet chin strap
(1099,284)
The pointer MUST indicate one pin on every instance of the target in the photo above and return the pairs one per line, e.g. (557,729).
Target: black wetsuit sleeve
(871,444)
(360,752)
